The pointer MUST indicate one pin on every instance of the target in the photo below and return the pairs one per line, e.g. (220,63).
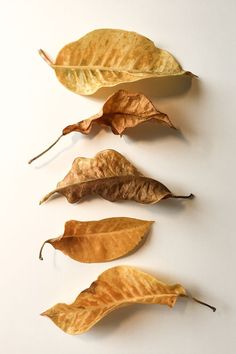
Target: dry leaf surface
(107,57)
(121,111)
(112,177)
(105,164)
(116,287)
(102,240)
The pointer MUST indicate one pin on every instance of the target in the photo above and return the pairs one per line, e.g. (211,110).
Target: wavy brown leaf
(102,240)
(121,111)
(112,177)
(106,163)
(115,288)
(108,57)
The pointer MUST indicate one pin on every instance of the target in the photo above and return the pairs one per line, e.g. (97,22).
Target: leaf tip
(150,222)
(45,313)
(45,198)
(188,73)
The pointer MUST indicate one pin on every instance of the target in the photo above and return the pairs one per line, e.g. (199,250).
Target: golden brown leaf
(102,240)
(106,163)
(121,111)
(116,287)
(112,177)
(108,57)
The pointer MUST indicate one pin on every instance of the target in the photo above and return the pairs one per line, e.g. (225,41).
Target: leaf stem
(41,250)
(189,296)
(204,304)
(191,74)
(190,196)
(42,153)
(46,57)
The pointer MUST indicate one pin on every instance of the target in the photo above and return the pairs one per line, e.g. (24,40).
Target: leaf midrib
(111,68)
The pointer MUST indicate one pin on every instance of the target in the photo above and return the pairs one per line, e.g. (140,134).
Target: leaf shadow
(151,131)
(172,206)
(154,87)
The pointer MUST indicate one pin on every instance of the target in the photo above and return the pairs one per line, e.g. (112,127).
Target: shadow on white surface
(157,87)
(151,131)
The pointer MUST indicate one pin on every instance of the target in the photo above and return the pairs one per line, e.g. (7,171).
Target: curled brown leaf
(121,111)
(115,288)
(102,240)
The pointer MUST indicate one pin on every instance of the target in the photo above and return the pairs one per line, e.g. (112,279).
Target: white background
(192,242)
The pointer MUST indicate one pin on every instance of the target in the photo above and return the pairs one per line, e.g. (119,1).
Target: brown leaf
(102,240)
(108,57)
(121,111)
(112,177)
(140,189)
(116,287)
(106,163)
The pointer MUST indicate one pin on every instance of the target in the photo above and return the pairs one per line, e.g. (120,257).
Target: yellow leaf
(102,240)
(108,57)
(116,287)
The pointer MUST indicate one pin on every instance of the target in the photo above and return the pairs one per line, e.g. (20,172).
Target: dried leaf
(108,57)
(112,177)
(100,241)
(140,189)
(116,287)
(121,111)
(106,163)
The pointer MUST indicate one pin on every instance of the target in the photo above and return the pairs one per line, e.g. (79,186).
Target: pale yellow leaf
(108,57)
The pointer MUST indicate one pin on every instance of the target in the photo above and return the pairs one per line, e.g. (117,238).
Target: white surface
(192,242)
